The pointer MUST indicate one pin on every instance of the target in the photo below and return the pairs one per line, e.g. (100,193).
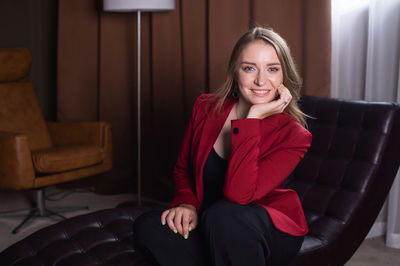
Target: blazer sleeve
(259,164)
(183,176)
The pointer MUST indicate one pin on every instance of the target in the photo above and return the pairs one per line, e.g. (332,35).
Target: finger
(285,91)
(285,96)
(192,226)
(170,221)
(193,223)
(277,103)
(163,216)
(178,221)
(185,225)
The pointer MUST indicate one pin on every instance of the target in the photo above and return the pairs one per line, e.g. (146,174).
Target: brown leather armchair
(35,154)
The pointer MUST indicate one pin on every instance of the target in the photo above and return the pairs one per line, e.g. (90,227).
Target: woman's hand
(181,219)
(274,107)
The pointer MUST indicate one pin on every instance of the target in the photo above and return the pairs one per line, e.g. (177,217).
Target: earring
(235,93)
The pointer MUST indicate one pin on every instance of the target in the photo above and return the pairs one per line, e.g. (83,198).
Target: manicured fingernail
(281,85)
(163,223)
(185,236)
(175,231)
(190,228)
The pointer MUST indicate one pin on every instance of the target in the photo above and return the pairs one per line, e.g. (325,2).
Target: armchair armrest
(16,168)
(82,133)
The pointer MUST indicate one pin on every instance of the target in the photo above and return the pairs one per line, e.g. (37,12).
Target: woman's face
(259,73)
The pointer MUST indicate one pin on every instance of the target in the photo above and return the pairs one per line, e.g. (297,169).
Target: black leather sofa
(342,183)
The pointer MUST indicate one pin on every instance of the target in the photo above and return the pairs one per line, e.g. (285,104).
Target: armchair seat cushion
(66,158)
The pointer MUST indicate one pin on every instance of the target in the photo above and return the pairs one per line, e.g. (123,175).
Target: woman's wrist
(255,114)
(187,206)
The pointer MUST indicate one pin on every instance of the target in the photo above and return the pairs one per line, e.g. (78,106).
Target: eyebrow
(250,63)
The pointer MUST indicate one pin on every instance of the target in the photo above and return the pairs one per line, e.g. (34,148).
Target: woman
(239,147)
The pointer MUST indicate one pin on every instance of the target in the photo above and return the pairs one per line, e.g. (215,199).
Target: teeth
(260,92)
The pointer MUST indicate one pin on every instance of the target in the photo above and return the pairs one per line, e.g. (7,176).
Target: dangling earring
(235,93)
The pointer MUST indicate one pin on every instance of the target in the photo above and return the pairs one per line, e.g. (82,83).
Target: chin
(260,100)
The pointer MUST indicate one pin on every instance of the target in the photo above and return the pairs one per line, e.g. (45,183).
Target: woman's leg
(244,235)
(167,248)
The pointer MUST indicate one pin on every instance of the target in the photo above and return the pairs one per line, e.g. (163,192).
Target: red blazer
(263,154)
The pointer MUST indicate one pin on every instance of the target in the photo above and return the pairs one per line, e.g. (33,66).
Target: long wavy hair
(291,78)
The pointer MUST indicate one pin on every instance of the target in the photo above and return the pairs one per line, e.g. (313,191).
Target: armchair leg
(40,210)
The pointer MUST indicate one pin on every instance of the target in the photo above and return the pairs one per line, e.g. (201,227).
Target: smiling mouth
(260,93)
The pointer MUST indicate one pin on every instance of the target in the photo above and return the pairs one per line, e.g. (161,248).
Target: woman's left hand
(181,219)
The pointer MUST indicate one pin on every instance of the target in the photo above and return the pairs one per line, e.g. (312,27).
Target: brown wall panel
(194,41)
(168,100)
(286,18)
(227,22)
(77,60)
(317,50)
(117,88)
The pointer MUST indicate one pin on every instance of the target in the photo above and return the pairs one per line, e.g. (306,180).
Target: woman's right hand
(181,219)
(275,106)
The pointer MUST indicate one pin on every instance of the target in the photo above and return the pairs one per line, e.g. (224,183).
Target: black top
(214,178)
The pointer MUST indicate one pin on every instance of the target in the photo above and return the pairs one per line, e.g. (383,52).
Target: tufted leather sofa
(99,238)
(342,183)
(345,176)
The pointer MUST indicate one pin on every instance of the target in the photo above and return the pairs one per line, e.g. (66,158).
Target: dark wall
(33,24)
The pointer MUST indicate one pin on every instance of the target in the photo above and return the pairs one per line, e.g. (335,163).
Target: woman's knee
(145,226)
(147,219)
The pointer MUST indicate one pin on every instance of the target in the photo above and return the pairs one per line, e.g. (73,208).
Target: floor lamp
(138,6)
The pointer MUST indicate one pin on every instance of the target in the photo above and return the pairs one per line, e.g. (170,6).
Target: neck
(241,108)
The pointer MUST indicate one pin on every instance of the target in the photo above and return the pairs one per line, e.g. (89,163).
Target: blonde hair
(291,78)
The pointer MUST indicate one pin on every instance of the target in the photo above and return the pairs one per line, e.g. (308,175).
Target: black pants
(227,234)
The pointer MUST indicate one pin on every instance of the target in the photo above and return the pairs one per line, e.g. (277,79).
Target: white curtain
(365,66)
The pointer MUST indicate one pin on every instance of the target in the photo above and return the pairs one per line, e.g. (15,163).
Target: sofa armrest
(16,168)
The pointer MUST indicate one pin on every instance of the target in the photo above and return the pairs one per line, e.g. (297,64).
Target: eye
(273,69)
(248,68)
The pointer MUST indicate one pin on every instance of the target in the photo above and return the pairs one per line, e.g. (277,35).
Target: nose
(260,79)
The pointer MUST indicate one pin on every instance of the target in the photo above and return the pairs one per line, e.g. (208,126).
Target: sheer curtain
(365,66)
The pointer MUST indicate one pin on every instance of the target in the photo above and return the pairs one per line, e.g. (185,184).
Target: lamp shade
(135,5)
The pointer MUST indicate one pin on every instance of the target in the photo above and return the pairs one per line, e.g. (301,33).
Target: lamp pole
(138,6)
(139,130)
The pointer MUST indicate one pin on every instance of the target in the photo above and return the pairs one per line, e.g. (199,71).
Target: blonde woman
(240,145)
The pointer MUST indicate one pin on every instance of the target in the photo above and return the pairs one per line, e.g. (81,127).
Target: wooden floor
(373,252)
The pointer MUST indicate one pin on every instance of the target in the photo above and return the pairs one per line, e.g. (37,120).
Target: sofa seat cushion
(66,158)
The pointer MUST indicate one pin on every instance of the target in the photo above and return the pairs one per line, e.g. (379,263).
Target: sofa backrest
(346,175)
